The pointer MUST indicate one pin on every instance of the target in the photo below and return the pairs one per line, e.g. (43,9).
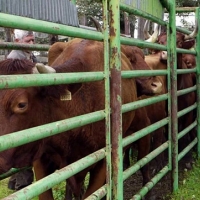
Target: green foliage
(189,187)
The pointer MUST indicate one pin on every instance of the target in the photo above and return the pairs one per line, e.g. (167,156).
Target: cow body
(24,108)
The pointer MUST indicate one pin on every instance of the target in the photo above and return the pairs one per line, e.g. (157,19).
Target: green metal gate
(113,151)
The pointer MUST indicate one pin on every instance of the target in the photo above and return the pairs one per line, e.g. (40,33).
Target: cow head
(21,109)
(185,41)
(145,85)
(189,60)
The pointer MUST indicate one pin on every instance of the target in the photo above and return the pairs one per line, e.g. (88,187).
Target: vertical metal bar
(169,108)
(116,116)
(172,62)
(107,99)
(198,79)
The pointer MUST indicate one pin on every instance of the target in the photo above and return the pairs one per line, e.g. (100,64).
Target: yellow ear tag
(67,96)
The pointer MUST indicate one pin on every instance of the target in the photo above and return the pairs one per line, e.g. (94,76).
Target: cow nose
(164,55)
(157,87)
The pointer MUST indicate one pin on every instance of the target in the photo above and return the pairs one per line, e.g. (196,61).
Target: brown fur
(34,106)
(43,106)
(183,81)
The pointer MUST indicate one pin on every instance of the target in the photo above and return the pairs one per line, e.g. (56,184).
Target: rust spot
(56,28)
(112,31)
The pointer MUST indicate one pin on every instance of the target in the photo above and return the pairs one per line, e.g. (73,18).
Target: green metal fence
(113,151)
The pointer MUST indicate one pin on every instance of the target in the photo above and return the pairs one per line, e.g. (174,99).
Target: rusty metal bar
(198,79)
(172,63)
(116,116)
(107,101)
(28,80)
(35,47)
(32,134)
(13,21)
(55,178)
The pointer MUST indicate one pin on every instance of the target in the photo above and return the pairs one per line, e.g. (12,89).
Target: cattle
(190,61)
(155,112)
(183,81)
(24,108)
(150,115)
(158,111)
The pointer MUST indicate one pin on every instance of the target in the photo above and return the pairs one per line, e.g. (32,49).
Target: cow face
(145,85)
(180,43)
(189,60)
(17,108)
(185,41)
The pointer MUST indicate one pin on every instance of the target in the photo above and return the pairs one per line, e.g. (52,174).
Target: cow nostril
(157,86)
(154,84)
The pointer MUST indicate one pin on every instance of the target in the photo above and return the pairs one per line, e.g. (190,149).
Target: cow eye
(22,105)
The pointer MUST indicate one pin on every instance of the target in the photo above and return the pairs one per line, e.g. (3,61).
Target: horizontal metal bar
(138,73)
(187,149)
(28,80)
(187,129)
(11,172)
(186,71)
(55,178)
(35,47)
(98,194)
(187,110)
(25,23)
(144,102)
(186,51)
(134,11)
(101,192)
(131,170)
(141,43)
(143,132)
(183,30)
(185,9)
(32,134)
(150,184)
(187,90)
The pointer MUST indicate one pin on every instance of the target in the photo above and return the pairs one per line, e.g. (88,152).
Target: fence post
(116,116)
(172,64)
(198,79)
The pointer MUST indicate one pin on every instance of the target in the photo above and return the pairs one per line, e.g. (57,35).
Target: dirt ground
(160,191)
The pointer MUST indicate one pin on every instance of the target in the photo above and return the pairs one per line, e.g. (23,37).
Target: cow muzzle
(163,55)
(157,87)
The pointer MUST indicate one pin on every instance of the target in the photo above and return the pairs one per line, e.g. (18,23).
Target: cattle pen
(28,17)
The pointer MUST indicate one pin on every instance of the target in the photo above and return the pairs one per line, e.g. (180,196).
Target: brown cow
(157,60)
(24,108)
(138,58)
(155,112)
(183,81)
(190,61)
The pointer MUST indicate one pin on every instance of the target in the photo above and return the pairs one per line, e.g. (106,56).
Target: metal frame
(112,68)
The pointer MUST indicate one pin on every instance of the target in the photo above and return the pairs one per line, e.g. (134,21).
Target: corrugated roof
(58,11)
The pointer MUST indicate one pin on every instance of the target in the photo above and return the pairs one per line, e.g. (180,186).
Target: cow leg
(158,139)
(126,159)
(143,150)
(40,172)
(97,178)
(75,186)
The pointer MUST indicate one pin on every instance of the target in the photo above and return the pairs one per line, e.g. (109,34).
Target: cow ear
(188,44)
(73,88)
